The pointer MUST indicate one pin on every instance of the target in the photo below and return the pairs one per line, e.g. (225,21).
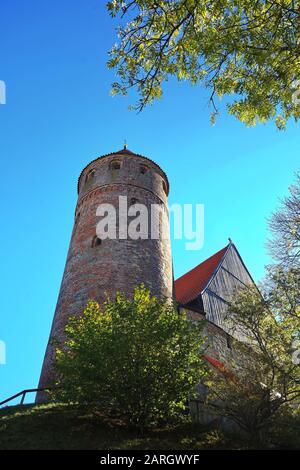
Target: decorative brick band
(105,188)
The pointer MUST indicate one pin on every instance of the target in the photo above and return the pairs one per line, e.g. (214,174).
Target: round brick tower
(96,266)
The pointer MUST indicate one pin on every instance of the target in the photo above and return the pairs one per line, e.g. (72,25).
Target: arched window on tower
(96,241)
(115,165)
(143,169)
(90,175)
(133,201)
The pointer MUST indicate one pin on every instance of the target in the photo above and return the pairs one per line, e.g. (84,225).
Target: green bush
(138,356)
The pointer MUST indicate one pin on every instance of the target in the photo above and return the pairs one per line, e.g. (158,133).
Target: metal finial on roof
(125,144)
(230,241)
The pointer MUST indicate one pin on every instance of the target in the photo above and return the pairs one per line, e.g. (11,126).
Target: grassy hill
(74,427)
(60,426)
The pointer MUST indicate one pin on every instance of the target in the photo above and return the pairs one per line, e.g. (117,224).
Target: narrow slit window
(96,241)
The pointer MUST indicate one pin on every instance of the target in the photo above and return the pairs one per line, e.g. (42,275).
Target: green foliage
(245,400)
(262,380)
(284,432)
(71,427)
(249,50)
(261,388)
(137,356)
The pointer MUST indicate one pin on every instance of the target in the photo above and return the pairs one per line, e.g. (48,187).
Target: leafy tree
(245,400)
(262,378)
(244,48)
(285,227)
(137,356)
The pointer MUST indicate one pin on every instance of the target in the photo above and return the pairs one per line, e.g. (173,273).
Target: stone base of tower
(47,378)
(42,397)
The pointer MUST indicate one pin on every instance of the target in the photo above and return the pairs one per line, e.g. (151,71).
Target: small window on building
(228,341)
(164,187)
(143,169)
(115,165)
(89,175)
(96,241)
(133,201)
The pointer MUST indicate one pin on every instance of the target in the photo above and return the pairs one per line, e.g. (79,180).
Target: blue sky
(59,116)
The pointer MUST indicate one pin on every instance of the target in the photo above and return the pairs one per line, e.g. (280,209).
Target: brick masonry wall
(217,348)
(92,272)
(217,339)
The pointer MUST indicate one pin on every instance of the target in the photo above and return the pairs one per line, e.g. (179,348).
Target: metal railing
(23,394)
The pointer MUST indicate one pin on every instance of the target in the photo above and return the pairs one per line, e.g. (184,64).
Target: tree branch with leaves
(261,382)
(237,48)
(285,228)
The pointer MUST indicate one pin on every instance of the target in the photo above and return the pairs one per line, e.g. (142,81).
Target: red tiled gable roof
(191,284)
(219,366)
(214,362)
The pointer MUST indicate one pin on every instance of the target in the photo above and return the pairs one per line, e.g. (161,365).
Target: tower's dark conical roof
(124,152)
